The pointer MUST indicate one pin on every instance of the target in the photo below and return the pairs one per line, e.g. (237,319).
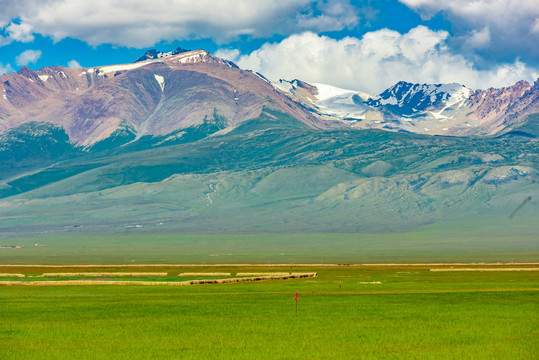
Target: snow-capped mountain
(327,100)
(409,99)
(436,109)
(163,93)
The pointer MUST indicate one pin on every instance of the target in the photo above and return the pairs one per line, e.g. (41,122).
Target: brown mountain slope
(155,96)
(493,110)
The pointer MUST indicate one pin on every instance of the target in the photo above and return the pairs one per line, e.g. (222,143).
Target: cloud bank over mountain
(377,60)
(358,44)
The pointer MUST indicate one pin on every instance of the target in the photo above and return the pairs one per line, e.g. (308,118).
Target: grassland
(427,244)
(382,312)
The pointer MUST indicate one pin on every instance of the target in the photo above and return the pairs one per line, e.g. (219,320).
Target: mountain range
(164,92)
(188,142)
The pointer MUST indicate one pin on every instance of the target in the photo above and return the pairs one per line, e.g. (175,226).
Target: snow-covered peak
(187,57)
(154,54)
(411,98)
(326,99)
(284,85)
(321,92)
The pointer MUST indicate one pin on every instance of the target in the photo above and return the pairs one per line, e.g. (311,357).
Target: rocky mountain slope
(151,97)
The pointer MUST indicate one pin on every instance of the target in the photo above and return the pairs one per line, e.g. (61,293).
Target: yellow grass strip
(261,265)
(189,274)
(105,274)
(370,282)
(263,274)
(169,283)
(488,269)
(12,275)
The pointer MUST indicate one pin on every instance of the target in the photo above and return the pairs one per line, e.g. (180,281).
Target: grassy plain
(412,313)
(427,244)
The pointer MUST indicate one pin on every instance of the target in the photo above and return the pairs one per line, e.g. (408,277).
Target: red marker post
(340,283)
(296,303)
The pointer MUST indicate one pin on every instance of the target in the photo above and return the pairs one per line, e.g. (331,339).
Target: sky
(354,44)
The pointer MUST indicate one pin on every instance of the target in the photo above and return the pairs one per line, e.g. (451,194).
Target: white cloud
(141,23)
(335,14)
(478,39)
(4,69)
(20,32)
(73,64)
(28,57)
(513,24)
(376,61)
(535,27)
(4,40)
(228,54)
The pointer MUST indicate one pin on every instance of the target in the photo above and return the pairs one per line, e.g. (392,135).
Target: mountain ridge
(156,96)
(92,103)
(434,109)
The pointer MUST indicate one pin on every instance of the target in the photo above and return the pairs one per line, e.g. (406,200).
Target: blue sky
(362,45)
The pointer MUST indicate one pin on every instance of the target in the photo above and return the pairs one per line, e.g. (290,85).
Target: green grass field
(492,243)
(411,314)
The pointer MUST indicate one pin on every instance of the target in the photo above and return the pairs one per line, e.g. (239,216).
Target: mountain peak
(154,54)
(184,57)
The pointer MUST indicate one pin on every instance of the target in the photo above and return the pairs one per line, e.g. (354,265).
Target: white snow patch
(115,68)
(438,115)
(161,81)
(5,97)
(328,91)
(62,74)
(390,101)
(83,73)
(31,80)
(90,71)
(224,131)
(43,78)
(191,57)
(283,85)
(458,95)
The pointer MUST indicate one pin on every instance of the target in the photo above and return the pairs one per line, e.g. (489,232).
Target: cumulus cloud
(20,32)
(16,32)
(334,15)
(143,23)
(228,54)
(4,69)
(73,64)
(376,61)
(512,25)
(478,39)
(28,57)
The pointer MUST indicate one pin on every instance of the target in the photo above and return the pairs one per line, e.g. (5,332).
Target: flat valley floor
(414,311)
